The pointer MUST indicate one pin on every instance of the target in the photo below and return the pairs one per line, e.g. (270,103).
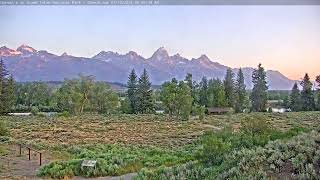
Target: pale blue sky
(285,38)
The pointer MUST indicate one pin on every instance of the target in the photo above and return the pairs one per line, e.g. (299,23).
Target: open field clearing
(137,129)
(122,144)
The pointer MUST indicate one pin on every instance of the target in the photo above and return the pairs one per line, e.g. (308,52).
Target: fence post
(20,149)
(29,153)
(40,158)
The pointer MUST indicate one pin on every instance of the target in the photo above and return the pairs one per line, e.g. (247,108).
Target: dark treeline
(179,99)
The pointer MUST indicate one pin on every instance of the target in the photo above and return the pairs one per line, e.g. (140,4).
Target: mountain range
(29,64)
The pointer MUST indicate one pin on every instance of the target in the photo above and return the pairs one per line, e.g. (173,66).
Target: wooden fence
(29,152)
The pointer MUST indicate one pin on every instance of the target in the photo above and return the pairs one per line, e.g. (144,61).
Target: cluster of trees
(178,98)
(140,95)
(307,99)
(228,93)
(84,93)
(74,95)
(181,98)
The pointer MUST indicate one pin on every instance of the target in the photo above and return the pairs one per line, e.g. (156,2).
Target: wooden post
(20,151)
(29,154)
(40,158)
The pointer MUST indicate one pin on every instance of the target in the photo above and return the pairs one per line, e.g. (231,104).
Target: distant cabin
(20,114)
(219,110)
(159,111)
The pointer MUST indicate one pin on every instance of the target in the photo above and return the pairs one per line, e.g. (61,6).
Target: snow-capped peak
(160,54)
(64,54)
(105,54)
(204,57)
(4,51)
(133,55)
(25,49)
(177,55)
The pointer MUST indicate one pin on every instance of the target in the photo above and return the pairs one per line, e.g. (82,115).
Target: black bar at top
(160,2)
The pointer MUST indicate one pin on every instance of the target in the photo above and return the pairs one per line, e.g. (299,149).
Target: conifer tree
(10,93)
(240,91)
(318,92)
(259,92)
(145,103)
(203,92)
(229,88)
(132,91)
(6,89)
(216,94)
(193,87)
(307,97)
(295,99)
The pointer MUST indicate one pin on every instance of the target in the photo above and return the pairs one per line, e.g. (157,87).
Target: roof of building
(218,109)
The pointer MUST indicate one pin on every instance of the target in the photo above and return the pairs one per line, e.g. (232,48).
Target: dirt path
(211,126)
(123,177)
(15,166)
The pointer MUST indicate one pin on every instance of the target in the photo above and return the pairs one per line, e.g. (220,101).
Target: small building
(280,110)
(159,111)
(219,110)
(20,114)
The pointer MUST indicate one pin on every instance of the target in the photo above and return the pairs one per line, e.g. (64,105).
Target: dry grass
(137,129)
(104,130)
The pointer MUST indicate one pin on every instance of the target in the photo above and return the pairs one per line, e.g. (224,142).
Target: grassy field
(127,143)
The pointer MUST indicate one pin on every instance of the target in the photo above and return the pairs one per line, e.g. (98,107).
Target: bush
(64,114)
(214,149)
(4,131)
(300,153)
(34,110)
(200,111)
(216,145)
(21,108)
(114,160)
(255,125)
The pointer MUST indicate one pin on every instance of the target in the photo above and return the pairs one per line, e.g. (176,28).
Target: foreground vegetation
(296,158)
(158,147)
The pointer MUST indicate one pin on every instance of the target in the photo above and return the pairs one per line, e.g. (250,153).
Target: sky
(284,38)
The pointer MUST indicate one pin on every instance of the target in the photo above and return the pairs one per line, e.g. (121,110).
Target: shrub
(300,154)
(214,149)
(4,131)
(64,114)
(255,125)
(201,111)
(34,110)
(113,160)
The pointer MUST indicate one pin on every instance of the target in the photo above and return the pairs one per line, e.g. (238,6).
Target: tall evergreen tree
(189,81)
(307,97)
(193,87)
(203,92)
(216,94)
(132,91)
(259,93)
(10,93)
(229,88)
(145,103)
(6,89)
(295,99)
(318,92)
(240,91)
